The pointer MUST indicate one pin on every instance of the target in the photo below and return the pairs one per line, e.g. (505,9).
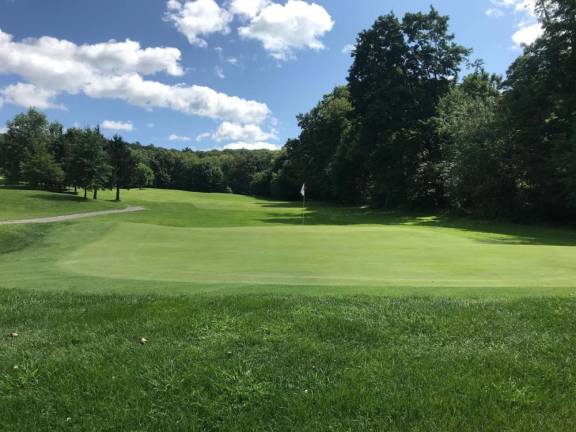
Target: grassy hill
(26,204)
(356,320)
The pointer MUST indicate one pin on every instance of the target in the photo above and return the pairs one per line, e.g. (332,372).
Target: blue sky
(209,73)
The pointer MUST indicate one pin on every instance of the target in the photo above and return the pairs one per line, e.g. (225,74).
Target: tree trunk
(95,196)
(75,190)
(85,193)
(117,193)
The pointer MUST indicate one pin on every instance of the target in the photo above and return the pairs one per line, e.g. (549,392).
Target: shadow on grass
(65,197)
(504,233)
(14,187)
(59,197)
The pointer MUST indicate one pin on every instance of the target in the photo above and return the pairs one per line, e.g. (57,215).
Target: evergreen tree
(40,169)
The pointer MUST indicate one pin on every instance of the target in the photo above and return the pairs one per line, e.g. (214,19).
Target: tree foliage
(401,69)
(405,130)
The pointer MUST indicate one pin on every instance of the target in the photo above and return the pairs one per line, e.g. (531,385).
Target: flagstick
(303,206)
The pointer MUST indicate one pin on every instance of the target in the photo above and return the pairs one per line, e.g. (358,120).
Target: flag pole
(303,207)
(303,193)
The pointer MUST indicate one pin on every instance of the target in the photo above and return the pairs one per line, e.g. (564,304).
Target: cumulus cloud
(180,138)
(528,34)
(28,95)
(528,27)
(197,100)
(112,70)
(251,146)
(128,56)
(228,131)
(3,130)
(348,48)
(62,65)
(248,8)
(282,29)
(117,125)
(238,136)
(197,18)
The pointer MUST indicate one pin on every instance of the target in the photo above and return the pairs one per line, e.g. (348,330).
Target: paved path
(52,219)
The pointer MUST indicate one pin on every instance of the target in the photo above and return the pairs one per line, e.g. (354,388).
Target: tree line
(43,155)
(408,129)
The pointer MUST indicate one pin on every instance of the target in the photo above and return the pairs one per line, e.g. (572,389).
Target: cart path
(52,219)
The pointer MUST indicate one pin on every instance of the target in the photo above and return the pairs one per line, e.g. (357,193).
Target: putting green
(187,243)
(320,255)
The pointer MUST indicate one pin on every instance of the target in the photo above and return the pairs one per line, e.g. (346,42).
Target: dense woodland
(408,130)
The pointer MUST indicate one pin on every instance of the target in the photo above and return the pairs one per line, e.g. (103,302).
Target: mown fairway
(27,204)
(358,320)
(199,242)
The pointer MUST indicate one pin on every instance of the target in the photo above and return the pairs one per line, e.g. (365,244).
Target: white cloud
(174,137)
(196,18)
(527,34)
(128,56)
(348,48)
(28,95)
(219,72)
(250,137)
(3,130)
(494,12)
(203,136)
(58,64)
(113,70)
(197,100)
(117,126)
(251,146)
(501,7)
(228,131)
(528,27)
(282,29)
(248,8)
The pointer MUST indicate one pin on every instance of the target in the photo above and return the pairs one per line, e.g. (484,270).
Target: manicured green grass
(200,242)
(27,204)
(356,320)
(269,362)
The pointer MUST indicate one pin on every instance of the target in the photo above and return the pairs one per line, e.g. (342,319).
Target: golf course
(199,243)
(287,216)
(258,316)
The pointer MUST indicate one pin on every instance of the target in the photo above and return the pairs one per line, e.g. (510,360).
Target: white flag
(303,190)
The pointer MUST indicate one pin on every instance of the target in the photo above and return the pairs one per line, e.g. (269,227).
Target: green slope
(188,243)
(28,204)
